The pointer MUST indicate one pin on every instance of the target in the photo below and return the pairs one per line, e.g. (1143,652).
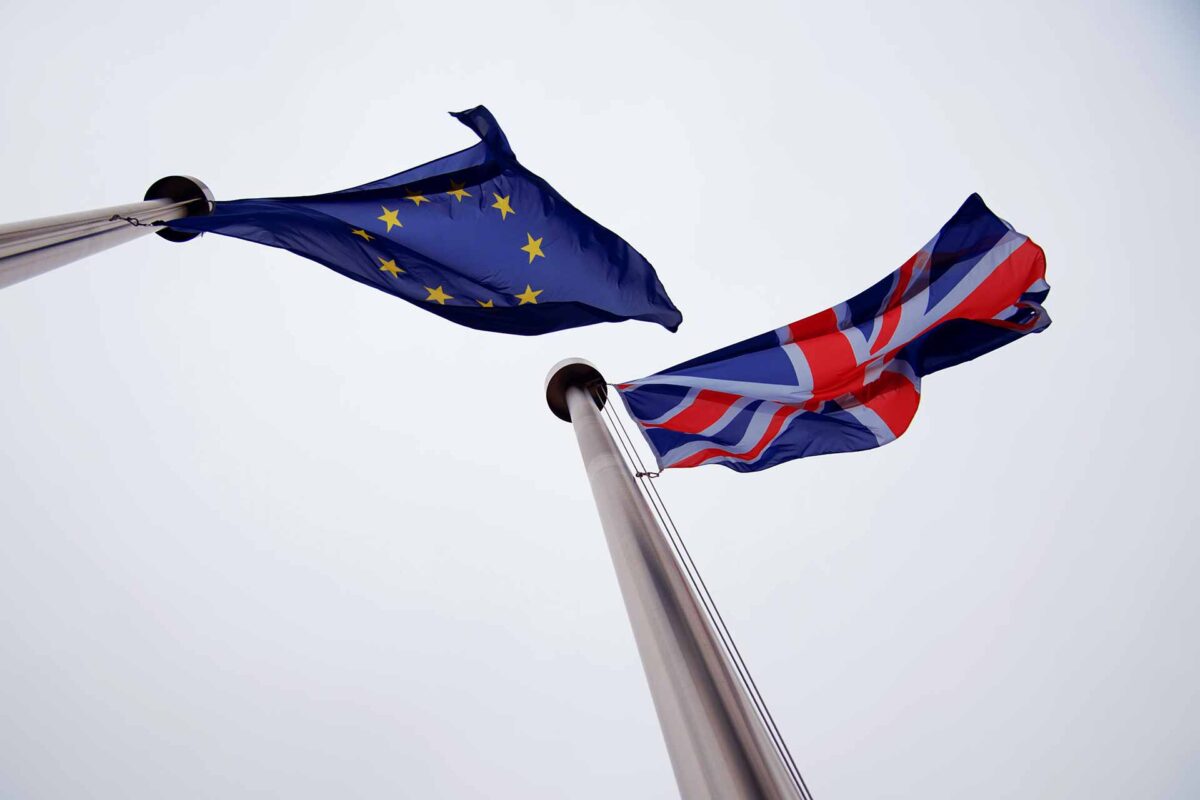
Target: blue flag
(473,237)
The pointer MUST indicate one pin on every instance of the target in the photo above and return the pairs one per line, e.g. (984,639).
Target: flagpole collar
(568,373)
(181,188)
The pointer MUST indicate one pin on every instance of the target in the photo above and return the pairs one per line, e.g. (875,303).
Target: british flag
(849,378)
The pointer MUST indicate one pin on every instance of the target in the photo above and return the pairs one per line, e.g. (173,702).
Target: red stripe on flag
(891,317)
(705,409)
(831,359)
(1005,285)
(893,398)
(773,428)
(818,324)
(833,365)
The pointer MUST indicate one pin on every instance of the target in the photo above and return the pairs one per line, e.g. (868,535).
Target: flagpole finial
(567,373)
(179,189)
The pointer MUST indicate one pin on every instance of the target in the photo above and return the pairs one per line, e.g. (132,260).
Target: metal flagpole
(719,745)
(36,246)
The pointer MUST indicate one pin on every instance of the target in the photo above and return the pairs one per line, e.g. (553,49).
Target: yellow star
(389,266)
(416,198)
(534,248)
(458,191)
(502,205)
(363,234)
(529,295)
(389,217)
(488,304)
(438,296)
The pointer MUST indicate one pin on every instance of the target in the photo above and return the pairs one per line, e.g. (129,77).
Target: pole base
(178,188)
(572,372)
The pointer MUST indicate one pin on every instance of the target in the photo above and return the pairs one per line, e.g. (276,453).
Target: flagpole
(36,246)
(719,745)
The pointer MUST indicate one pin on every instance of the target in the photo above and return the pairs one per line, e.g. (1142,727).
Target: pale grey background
(269,533)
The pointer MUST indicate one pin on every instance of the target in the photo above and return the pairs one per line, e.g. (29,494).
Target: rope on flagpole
(645,480)
(137,223)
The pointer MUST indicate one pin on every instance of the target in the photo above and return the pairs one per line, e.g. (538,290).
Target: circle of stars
(458,190)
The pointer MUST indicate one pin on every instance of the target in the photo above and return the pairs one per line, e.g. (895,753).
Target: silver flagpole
(36,246)
(719,745)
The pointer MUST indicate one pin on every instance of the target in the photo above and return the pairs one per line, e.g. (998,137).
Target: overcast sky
(267,532)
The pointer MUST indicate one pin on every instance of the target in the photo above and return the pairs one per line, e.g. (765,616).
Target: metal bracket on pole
(36,246)
(719,745)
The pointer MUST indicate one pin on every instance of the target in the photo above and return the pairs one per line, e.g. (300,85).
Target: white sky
(267,532)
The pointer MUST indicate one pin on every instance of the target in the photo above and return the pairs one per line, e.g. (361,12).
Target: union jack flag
(849,378)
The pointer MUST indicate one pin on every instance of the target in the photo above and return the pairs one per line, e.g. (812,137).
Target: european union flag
(473,237)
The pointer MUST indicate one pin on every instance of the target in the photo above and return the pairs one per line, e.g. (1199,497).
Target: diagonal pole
(35,246)
(719,745)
